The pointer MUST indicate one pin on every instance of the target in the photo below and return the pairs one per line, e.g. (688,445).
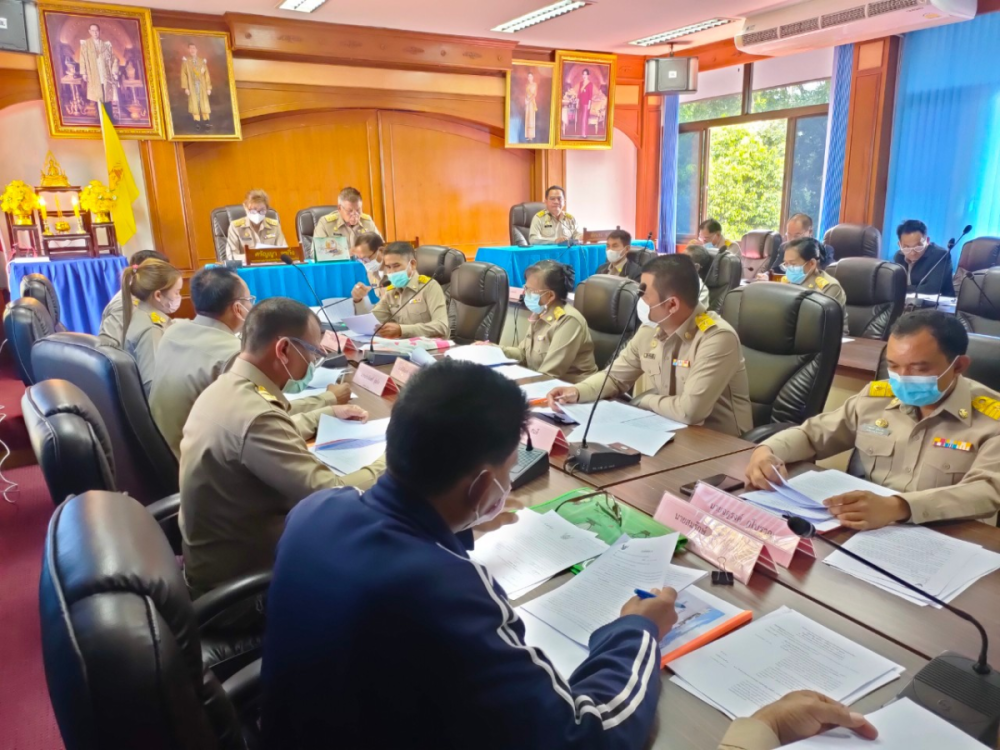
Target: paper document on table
(337,308)
(534,549)
(902,725)
(779,653)
(516,372)
(566,655)
(615,412)
(540,389)
(364,325)
(647,442)
(595,597)
(701,618)
(346,446)
(309,393)
(490,356)
(324,376)
(803,495)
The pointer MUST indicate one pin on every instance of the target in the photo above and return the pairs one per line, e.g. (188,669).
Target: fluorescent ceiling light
(694,28)
(540,16)
(302,6)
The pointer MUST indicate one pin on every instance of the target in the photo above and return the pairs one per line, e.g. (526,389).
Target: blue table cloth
(585,259)
(84,286)
(333,279)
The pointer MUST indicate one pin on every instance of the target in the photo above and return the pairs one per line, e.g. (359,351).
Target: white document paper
(337,308)
(645,441)
(846,340)
(309,393)
(490,356)
(324,376)
(565,655)
(347,446)
(540,389)
(363,325)
(534,549)
(516,372)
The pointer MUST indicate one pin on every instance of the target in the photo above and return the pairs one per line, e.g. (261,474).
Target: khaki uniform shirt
(749,734)
(143,338)
(244,465)
(332,225)
(192,356)
(828,285)
(547,230)
(423,313)
(242,234)
(944,466)
(111,322)
(558,343)
(696,375)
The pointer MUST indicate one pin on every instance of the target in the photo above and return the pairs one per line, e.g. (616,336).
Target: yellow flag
(120,180)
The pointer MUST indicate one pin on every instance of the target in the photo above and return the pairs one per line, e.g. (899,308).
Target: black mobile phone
(723,482)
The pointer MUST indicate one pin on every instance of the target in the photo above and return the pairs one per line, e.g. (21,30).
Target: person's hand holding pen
(657,605)
(566,394)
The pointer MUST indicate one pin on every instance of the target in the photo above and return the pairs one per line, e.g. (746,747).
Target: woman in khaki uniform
(558,341)
(803,266)
(155,287)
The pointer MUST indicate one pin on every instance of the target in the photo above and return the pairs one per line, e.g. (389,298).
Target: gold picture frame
(585,98)
(93,53)
(521,129)
(197,57)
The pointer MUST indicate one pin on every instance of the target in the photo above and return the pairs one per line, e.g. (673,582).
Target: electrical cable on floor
(10,486)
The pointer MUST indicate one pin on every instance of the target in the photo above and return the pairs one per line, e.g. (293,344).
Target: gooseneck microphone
(952,242)
(340,359)
(375,358)
(962,691)
(972,277)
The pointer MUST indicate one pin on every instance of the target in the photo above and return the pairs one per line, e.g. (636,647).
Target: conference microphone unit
(952,242)
(375,358)
(964,692)
(531,464)
(338,360)
(591,458)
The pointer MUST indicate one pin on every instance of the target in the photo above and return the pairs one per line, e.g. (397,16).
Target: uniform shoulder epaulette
(568,215)
(366,216)
(332,215)
(704,322)
(240,222)
(272,222)
(821,282)
(880,389)
(157,318)
(423,279)
(266,394)
(541,213)
(988,406)
(558,313)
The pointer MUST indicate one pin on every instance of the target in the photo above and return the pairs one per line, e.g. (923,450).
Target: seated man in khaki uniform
(553,225)
(255,229)
(619,242)
(929,433)
(111,319)
(347,221)
(710,236)
(415,304)
(244,461)
(368,251)
(690,361)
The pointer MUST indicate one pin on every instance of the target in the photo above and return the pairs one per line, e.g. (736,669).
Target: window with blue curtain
(945,162)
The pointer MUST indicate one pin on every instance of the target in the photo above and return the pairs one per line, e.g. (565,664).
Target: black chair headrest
(866,281)
(40,287)
(782,322)
(755,245)
(854,241)
(974,302)
(980,253)
(478,284)
(606,302)
(438,262)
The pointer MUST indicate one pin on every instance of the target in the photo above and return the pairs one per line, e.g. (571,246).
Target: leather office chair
(439,262)
(978,307)
(26,321)
(979,254)
(641,255)
(607,303)
(145,467)
(221,219)
(791,343)
(478,306)
(305,225)
(876,292)
(759,251)
(724,275)
(521,215)
(39,287)
(854,241)
(985,368)
(121,639)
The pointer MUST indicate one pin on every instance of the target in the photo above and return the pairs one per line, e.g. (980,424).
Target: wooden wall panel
(449,183)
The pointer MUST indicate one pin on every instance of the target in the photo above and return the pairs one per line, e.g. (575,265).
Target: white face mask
(614,257)
(255,217)
(643,309)
(372,265)
(493,510)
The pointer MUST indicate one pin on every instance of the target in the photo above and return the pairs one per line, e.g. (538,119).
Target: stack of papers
(323,377)
(540,389)
(363,325)
(516,372)
(933,562)
(336,309)
(490,356)
(615,422)
(347,447)
(779,653)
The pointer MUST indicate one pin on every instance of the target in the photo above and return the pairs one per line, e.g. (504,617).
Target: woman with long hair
(151,293)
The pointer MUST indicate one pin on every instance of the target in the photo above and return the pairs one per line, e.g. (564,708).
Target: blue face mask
(795,274)
(917,390)
(533,302)
(297,386)
(399,279)
(708,246)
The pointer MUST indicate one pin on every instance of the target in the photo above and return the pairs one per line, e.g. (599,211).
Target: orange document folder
(702,618)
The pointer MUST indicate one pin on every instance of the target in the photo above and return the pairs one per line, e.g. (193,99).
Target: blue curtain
(668,174)
(836,138)
(945,162)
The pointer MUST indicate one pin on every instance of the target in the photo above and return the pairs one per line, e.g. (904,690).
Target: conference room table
(331,279)
(515,260)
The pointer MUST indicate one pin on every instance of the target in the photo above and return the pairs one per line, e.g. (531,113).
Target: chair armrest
(167,512)
(243,688)
(219,599)
(763,432)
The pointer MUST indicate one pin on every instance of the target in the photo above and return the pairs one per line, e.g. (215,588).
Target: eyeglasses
(595,512)
(252,300)
(318,354)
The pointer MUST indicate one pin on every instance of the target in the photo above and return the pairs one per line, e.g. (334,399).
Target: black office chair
(978,304)
(607,303)
(478,307)
(221,219)
(305,225)
(724,275)
(25,322)
(40,287)
(791,343)
(640,255)
(439,262)
(979,254)
(876,294)
(759,249)
(121,638)
(854,241)
(145,467)
(521,215)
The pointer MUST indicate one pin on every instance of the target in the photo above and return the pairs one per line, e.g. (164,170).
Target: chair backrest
(978,307)
(640,255)
(977,255)
(607,303)
(39,287)
(478,306)
(25,322)
(791,343)
(439,262)
(305,225)
(724,275)
(521,215)
(222,217)
(120,640)
(854,241)
(759,249)
(984,351)
(590,236)
(145,467)
(875,291)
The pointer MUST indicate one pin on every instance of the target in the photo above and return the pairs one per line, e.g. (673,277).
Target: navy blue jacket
(381,633)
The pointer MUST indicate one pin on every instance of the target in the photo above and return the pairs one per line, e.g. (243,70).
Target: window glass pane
(793,81)
(807,166)
(745,176)
(719,95)
(794,95)
(688,183)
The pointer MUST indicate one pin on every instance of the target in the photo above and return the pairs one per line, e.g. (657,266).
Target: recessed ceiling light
(302,6)
(694,28)
(540,16)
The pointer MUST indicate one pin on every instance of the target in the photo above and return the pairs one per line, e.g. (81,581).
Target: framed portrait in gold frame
(94,54)
(199,87)
(585,99)
(530,116)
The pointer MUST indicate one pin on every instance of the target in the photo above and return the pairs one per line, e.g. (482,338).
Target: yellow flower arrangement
(19,199)
(95,197)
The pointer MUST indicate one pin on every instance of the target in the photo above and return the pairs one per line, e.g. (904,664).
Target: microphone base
(335,361)
(597,457)
(950,687)
(376,359)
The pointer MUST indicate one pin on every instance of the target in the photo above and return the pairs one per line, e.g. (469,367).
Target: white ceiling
(605,26)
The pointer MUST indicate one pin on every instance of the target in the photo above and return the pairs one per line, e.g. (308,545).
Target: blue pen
(642,594)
